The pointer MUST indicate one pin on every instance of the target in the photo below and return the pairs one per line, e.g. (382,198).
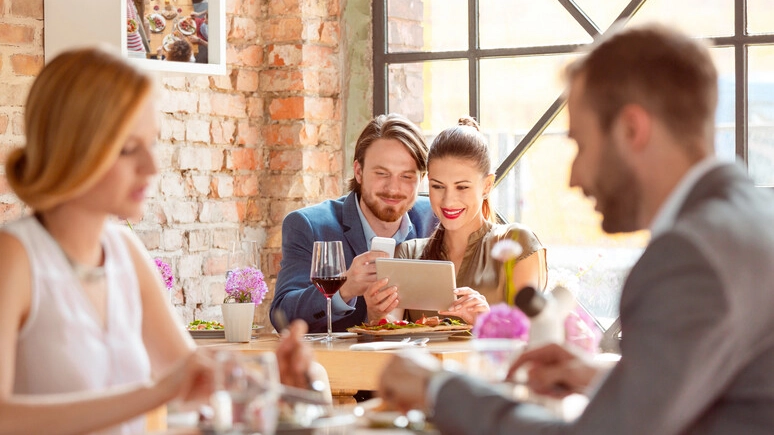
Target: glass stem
(330,328)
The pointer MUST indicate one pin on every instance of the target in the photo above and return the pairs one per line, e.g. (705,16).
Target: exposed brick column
(21,58)
(301,88)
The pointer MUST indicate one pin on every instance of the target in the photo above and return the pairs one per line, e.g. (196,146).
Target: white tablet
(422,284)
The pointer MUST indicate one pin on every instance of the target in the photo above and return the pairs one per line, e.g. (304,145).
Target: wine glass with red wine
(328,273)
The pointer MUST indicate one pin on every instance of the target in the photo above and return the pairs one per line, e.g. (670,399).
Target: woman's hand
(380,300)
(191,379)
(468,306)
(294,356)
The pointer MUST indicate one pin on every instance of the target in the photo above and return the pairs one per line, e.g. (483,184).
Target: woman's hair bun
(468,121)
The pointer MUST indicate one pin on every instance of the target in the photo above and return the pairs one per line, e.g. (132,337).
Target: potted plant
(245,288)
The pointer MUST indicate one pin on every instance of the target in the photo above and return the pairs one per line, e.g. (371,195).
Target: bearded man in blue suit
(389,163)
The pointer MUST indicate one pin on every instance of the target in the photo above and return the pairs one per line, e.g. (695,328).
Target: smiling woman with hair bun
(459,171)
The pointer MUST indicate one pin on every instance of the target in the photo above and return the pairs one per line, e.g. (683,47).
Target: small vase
(238,321)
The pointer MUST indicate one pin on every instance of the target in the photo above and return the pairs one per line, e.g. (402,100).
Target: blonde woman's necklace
(84,273)
(87,274)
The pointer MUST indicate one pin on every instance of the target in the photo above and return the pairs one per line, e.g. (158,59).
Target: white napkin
(382,345)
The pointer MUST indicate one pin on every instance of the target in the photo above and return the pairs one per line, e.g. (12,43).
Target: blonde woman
(459,171)
(88,339)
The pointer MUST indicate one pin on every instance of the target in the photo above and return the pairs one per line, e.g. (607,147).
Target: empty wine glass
(246,253)
(247,393)
(328,273)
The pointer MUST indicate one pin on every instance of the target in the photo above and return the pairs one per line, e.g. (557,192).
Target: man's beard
(617,192)
(385,213)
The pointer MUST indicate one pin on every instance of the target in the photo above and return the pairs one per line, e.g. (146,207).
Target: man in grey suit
(697,349)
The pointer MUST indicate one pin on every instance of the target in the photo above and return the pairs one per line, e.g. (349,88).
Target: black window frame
(382,58)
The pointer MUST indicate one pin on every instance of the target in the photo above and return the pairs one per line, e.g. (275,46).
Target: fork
(420,341)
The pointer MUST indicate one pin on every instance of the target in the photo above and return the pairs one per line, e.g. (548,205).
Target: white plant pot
(238,321)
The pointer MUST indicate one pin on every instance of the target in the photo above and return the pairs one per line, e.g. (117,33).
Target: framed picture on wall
(164,35)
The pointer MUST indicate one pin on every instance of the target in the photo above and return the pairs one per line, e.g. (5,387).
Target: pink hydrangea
(580,330)
(246,284)
(502,321)
(166,273)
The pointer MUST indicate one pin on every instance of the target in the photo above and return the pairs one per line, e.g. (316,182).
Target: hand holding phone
(384,244)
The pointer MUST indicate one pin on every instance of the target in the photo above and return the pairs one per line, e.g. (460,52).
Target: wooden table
(348,370)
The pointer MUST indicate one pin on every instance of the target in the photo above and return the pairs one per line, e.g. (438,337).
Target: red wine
(329,286)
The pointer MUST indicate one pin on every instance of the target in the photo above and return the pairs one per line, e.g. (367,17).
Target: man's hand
(380,300)
(468,306)
(294,356)
(555,371)
(403,383)
(361,274)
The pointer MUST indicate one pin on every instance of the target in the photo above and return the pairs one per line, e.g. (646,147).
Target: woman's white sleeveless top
(61,347)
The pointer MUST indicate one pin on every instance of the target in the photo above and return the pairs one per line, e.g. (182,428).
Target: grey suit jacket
(697,353)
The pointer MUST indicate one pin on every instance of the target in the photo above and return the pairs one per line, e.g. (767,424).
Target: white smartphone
(384,244)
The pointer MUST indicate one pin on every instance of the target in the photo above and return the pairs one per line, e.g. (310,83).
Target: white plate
(207,333)
(432,335)
(152,20)
(217,333)
(187,32)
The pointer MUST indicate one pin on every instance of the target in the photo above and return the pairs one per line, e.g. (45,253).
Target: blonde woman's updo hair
(76,120)
(466,142)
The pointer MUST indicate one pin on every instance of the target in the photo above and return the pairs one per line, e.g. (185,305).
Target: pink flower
(580,330)
(166,273)
(502,321)
(246,284)
(506,249)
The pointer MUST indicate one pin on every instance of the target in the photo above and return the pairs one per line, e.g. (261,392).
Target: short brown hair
(391,126)
(179,51)
(666,72)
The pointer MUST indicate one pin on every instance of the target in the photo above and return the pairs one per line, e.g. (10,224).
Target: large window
(501,60)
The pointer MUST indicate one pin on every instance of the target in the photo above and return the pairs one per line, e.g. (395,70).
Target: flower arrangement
(166,273)
(505,321)
(579,330)
(502,321)
(507,251)
(245,284)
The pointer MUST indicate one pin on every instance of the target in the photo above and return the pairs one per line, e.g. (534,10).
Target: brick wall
(21,57)
(236,152)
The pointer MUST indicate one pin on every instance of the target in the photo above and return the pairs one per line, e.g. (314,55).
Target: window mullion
(741,80)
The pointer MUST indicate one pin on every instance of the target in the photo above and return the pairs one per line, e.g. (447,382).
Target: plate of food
(156,22)
(187,26)
(433,328)
(131,26)
(206,329)
(212,329)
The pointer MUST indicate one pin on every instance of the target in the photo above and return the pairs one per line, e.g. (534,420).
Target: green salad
(204,324)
